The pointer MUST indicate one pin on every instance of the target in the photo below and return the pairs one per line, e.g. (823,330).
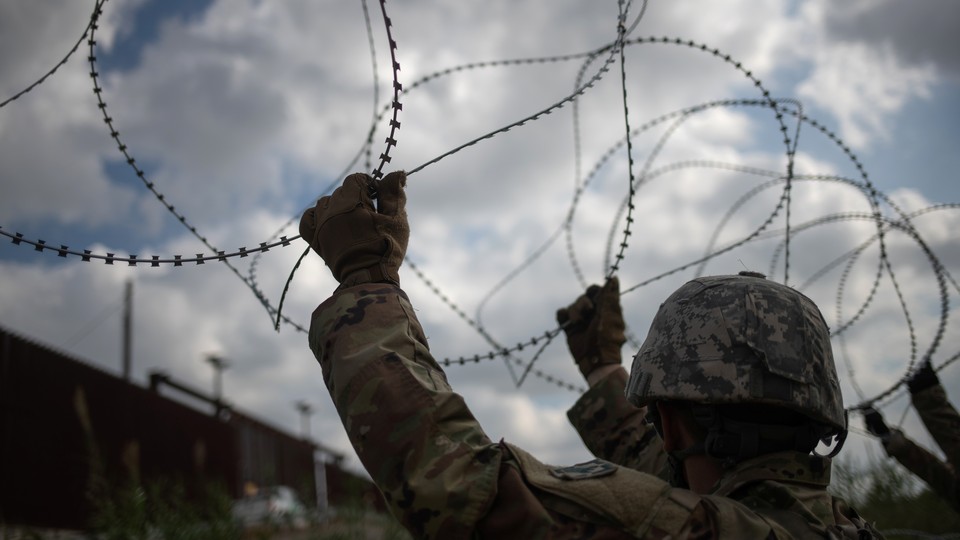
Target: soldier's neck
(702,473)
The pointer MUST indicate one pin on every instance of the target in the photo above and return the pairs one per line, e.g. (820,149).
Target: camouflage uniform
(943,423)
(615,430)
(444,478)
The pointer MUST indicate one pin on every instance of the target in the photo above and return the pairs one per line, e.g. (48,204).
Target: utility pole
(219,364)
(305,411)
(127,329)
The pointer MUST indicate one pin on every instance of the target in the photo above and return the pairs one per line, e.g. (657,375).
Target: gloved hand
(594,327)
(875,424)
(358,243)
(923,378)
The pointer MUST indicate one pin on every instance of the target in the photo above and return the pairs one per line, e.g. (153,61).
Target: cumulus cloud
(242,114)
(863,86)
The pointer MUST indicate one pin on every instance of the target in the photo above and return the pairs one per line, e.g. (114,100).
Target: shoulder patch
(591,469)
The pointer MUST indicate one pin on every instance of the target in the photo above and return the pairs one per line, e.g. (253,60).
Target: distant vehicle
(277,505)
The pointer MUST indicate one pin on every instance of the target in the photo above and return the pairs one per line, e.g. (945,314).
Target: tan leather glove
(594,327)
(358,243)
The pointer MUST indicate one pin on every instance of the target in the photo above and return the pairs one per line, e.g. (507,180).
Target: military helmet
(739,339)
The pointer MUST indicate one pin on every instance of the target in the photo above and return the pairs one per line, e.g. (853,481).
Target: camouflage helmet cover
(739,339)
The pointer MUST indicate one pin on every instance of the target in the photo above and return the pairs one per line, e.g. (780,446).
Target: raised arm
(939,416)
(610,426)
(417,439)
(941,477)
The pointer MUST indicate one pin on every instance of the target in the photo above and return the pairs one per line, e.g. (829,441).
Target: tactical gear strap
(677,478)
(734,441)
(738,440)
(836,436)
(675,458)
(371,274)
(838,439)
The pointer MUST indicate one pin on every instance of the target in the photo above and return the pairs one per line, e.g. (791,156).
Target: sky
(242,113)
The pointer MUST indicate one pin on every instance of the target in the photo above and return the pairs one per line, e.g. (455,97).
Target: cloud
(863,86)
(918,34)
(32,40)
(243,114)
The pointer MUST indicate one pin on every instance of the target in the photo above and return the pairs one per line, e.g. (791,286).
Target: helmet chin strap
(732,441)
(675,458)
(678,477)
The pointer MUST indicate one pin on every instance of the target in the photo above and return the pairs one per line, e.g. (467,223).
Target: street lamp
(219,364)
(305,411)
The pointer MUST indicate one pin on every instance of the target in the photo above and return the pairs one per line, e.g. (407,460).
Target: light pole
(305,411)
(219,364)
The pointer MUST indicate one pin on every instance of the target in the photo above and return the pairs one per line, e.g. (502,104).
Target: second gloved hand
(925,377)
(361,244)
(873,420)
(594,327)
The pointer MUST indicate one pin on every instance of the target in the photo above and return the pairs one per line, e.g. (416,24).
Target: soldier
(941,421)
(737,371)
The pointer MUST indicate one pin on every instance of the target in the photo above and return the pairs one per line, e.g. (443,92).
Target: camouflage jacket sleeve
(614,430)
(417,439)
(940,476)
(941,420)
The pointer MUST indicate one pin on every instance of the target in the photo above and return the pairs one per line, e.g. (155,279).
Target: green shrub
(162,509)
(894,500)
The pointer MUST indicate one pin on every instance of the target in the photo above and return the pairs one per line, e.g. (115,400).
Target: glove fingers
(581,311)
(390,219)
(355,188)
(392,199)
(594,327)
(592,291)
(610,293)
(610,313)
(352,194)
(308,224)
